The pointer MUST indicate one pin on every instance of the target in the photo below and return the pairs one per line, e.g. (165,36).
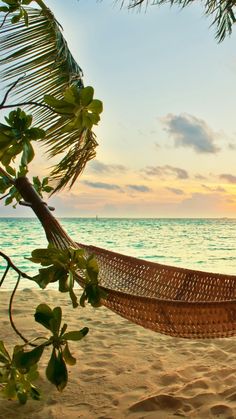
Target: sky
(167,136)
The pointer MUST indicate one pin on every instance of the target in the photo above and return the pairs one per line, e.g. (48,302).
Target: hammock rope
(175,301)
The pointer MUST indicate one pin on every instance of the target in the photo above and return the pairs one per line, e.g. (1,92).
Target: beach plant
(18,370)
(49,105)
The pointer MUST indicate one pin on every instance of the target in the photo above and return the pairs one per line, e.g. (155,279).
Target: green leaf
(56,322)
(43,315)
(76,335)
(6,158)
(63,329)
(3,151)
(56,370)
(4,355)
(75,123)
(48,275)
(71,95)
(25,360)
(71,291)
(79,259)
(16,18)
(3,359)
(11,171)
(59,105)
(73,298)
(9,200)
(10,2)
(4,9)
(36,133)
(9,390)
(45,181)
(22,171)
(92,268)
(69,359)
(3,187)
(49,256)
(36,182)
(48,189)
(22,396)
(83,299)
(26,17)
(87,120)
(95,118)
(86,95)
(96,106)
(34,393)
(33,373)
(93,294)
(63,283)
(45,256)
(28,153)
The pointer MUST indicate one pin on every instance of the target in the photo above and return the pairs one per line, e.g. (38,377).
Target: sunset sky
(167,138)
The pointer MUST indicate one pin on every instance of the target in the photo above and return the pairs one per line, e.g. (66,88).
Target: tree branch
(42,105)
(4,275)
(8,91)
(4,196)
(5,174)
(10,264)
(4,19)
(10,311)
(13,266)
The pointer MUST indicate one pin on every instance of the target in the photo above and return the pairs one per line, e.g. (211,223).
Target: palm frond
(40,55)
(223,12)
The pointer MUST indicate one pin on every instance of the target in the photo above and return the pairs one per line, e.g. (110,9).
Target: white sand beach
(123,370)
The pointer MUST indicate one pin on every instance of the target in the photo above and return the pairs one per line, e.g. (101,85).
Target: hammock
(174,301)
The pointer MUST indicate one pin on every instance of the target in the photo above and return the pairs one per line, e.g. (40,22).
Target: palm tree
(222,11)
(36,61)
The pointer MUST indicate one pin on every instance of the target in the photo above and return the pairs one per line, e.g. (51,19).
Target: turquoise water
(203,244)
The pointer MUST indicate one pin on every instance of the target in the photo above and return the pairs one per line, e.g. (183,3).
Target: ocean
(202,244)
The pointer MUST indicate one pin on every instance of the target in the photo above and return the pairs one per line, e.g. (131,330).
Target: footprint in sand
(221,410)
(161,402)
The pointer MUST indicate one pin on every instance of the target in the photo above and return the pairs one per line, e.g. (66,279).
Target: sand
(125,371)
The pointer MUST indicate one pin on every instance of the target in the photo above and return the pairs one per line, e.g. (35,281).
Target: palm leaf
(40,55)
(223,12)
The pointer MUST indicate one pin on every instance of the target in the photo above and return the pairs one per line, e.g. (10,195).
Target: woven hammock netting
(171,300)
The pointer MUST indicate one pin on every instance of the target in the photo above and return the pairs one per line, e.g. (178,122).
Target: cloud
(102,185)
(202,205)
(229,178)
(189,131)
(139,188)
(200,177)
(98,167)
(166,171)
(176,191)
(214,189)
(232,146)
